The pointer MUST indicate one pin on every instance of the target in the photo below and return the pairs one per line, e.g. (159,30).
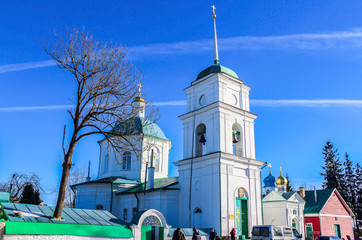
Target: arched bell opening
(200,140)
(237,140)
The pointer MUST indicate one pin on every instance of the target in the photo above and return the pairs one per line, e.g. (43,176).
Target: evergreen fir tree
(348,183)
(358,192)
(29,195)
(332,167)
(289,187)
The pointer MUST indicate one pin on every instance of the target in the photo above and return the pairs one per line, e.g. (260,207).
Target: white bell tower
(219,176)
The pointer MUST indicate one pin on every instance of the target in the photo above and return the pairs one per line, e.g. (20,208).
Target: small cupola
(139,104)
(282,182)
(269,181)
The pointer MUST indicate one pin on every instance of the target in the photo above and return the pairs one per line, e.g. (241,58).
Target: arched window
(200,141)
(126,161)
(197,210)
(156,161)
(106,163)
(237,140)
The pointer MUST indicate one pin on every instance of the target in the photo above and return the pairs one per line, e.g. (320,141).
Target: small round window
(202,100)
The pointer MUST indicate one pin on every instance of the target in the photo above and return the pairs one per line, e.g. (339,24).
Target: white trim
(325,215)
(320,225)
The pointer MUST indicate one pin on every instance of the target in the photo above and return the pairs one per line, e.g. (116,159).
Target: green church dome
(139,125)
(216,68)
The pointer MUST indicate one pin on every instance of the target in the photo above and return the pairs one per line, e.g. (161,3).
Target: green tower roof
(216,68)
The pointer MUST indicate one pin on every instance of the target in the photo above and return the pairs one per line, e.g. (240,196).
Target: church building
(281,207)
(219,178)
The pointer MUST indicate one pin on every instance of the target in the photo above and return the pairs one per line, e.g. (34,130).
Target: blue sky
(302,59)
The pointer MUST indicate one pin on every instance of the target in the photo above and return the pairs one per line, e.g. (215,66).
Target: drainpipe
(261,195)
(110,209)
(220,194)
(138,201)
(191,166)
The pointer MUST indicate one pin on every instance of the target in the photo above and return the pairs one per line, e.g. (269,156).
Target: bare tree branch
(106,84)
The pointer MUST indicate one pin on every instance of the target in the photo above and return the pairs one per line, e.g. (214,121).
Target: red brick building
(327,214)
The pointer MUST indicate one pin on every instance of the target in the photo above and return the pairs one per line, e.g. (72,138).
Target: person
(212,235)
(232,234)
(176,234)
(196,235)
(182,235)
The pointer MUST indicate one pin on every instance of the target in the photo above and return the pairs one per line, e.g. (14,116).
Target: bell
(235,138)
(202,139)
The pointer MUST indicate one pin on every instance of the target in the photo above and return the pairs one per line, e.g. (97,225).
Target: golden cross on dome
(280,169)
(269,165)
(213,9)
(139,89)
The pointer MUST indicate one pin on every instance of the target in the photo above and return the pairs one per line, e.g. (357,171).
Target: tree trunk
(67,164)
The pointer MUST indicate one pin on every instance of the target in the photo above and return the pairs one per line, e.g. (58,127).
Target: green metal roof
(36,219)
(322,197)
(159,184)
(139,125)
(216,68)
(107,180)
(4,197)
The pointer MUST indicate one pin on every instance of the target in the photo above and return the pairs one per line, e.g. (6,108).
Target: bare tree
(17,182)
(105,85)
(77,175)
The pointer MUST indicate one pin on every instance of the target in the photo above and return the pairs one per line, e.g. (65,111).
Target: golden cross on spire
(139,89)
(213,11)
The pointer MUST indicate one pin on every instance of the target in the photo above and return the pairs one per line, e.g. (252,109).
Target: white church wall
(115,167)
(204,192)
(164,201)
(235,175)
(90,195)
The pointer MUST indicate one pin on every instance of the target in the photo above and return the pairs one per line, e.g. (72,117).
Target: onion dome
(281,180)
(269,181)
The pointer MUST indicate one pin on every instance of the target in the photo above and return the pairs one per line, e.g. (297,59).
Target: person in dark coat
(176,234)
(232,234)
(196,235)
(212,235)
(182,235)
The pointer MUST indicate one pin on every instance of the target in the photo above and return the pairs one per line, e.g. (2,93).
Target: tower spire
(216,51)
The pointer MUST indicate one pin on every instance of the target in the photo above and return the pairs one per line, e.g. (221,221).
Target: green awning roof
(35,219)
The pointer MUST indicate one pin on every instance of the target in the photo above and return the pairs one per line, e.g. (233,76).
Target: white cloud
(316,103)
(351,39)
(171,103)
(306,41)
(24,66)
(306,103)
(21,109)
